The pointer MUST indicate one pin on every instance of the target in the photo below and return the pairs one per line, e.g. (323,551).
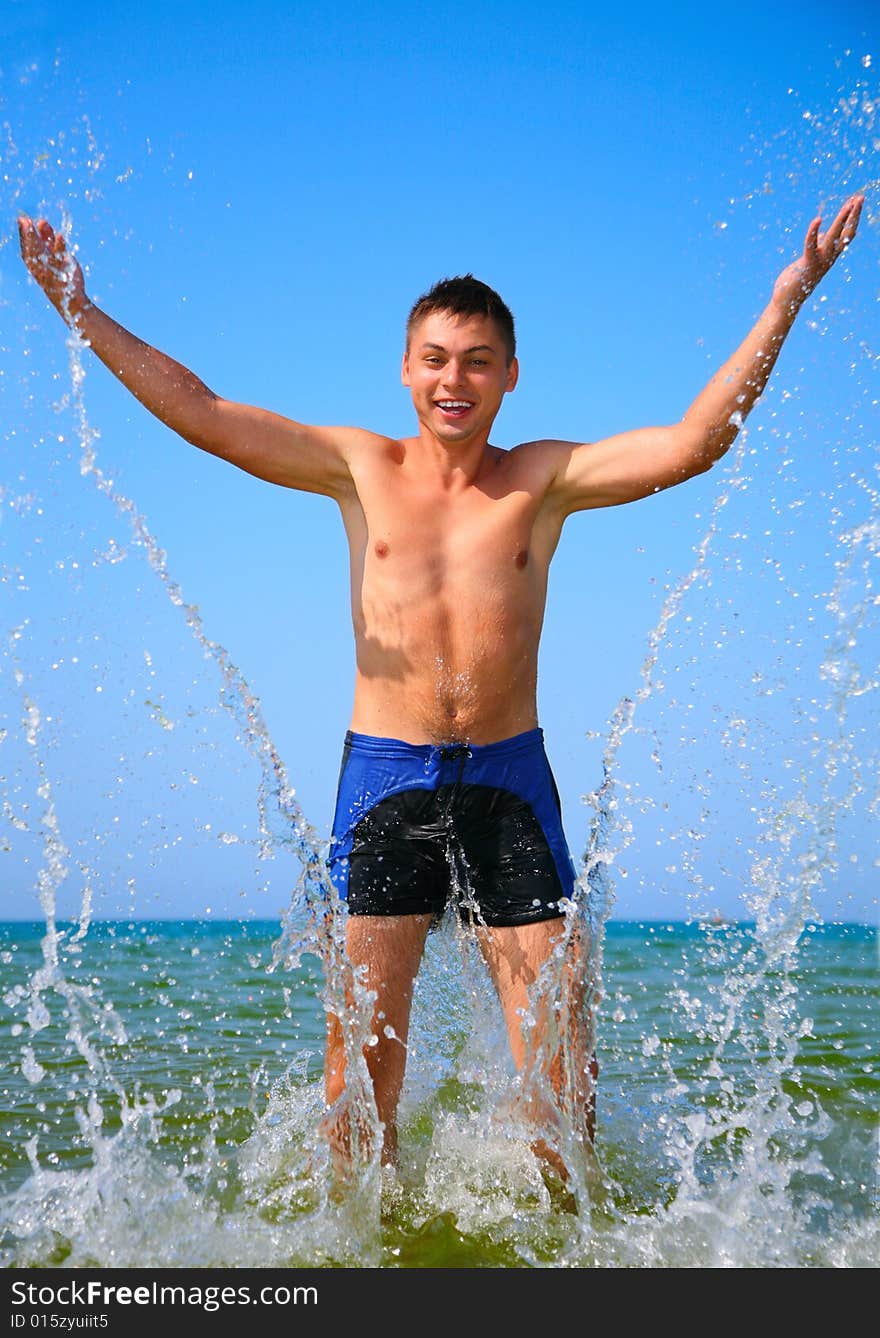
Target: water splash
(85,1012)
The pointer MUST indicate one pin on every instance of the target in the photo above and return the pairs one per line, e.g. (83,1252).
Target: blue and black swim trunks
(417,825)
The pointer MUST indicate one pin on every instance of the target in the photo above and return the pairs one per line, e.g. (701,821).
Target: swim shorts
(417,825)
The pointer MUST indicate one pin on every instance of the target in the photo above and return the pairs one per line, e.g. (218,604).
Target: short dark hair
(465,296)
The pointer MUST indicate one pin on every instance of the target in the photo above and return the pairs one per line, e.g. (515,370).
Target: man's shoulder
(361,436)
(542,469)
(545,447)
(539,461)
(364,444)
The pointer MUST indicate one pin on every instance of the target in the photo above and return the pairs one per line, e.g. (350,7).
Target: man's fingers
(25,234)
(32,249)
(26,228)
(843,228)
(812,239)
(837,226)
(42,248)
(852,221)
(33,234)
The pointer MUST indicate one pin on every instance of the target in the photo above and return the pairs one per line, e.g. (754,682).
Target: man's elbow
(203,424)
(697,449)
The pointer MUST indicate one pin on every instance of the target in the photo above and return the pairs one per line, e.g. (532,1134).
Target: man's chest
(414,533)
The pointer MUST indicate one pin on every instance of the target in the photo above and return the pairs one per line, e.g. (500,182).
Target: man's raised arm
(635,464)
(265,444)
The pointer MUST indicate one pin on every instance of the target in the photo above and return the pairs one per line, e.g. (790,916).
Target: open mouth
(454,408)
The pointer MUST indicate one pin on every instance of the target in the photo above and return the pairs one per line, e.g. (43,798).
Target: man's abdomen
(462,670)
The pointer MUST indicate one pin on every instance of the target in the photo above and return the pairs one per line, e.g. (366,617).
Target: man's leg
(515,956)
(389,948)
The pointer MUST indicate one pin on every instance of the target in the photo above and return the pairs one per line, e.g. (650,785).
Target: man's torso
(448,588)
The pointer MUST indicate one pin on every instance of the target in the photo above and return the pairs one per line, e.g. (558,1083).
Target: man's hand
(55,269)
(821,249)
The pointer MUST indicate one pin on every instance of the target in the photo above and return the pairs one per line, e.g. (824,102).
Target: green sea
(162,1098)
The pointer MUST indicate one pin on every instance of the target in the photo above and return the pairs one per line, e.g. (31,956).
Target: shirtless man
(444,780)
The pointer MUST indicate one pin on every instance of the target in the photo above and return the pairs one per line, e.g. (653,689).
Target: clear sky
(262,192)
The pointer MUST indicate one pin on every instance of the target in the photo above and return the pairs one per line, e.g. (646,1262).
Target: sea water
(162,1078)
(707,1154)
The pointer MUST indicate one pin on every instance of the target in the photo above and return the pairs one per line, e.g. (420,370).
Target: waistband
(529,741)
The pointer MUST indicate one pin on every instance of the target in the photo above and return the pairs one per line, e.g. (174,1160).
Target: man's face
(457,370)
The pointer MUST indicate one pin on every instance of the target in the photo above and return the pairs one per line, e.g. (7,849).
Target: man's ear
(404,368)
(512,375)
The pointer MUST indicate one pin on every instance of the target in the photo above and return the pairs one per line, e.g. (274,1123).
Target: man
(444,783)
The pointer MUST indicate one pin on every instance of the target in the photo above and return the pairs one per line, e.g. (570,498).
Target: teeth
(454,404)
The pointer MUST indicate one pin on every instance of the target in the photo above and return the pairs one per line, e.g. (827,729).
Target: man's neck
(454,464)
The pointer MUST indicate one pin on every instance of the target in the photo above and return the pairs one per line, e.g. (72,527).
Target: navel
(381,549)
(522,558)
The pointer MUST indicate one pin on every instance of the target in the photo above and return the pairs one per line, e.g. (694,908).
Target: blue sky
(262,194)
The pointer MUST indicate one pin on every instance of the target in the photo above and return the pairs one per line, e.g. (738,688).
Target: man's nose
(452,374)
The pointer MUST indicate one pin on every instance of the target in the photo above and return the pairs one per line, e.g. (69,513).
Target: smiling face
(458,372)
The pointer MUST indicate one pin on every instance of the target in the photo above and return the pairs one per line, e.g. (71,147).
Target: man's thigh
(388,949)
(515,956)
